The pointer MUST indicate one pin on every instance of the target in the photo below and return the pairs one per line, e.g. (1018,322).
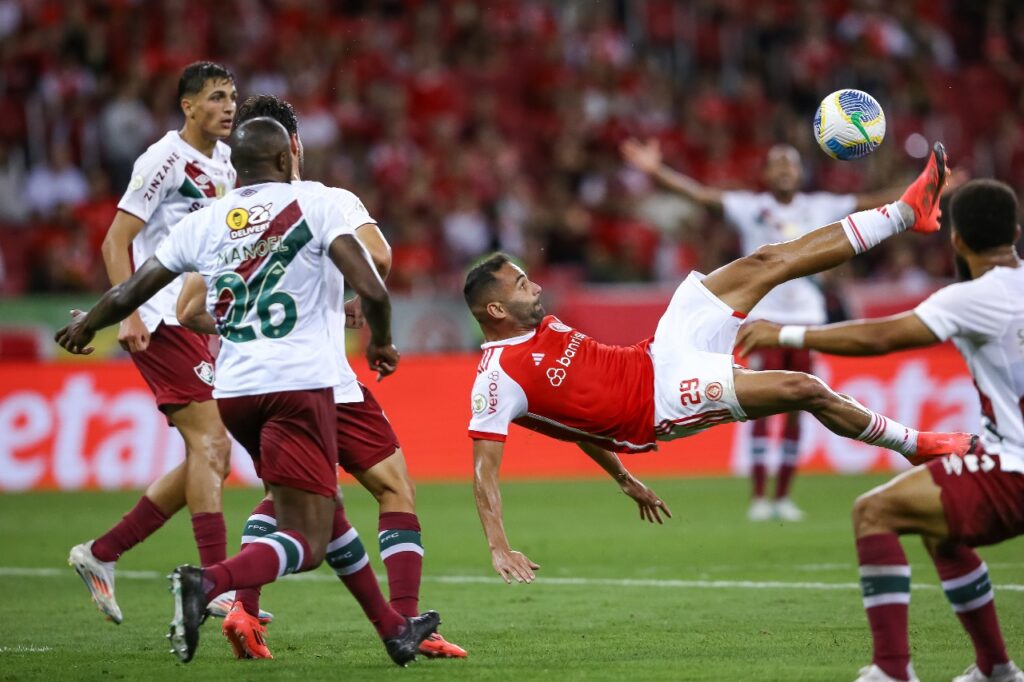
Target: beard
(527,314)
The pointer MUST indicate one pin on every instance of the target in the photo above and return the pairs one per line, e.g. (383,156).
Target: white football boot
(760,510)
(98,576)
(1004,672)
(872,673)
(786,510)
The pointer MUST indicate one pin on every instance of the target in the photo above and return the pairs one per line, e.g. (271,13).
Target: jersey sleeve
(497,400)
(964,309)
(152,182)
(353,209)
(329,219)
(738,208)
(178,252)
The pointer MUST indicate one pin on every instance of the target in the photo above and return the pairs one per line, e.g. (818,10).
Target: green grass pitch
(708,596)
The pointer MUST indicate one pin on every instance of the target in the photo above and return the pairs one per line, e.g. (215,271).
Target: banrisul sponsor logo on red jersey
(197,184)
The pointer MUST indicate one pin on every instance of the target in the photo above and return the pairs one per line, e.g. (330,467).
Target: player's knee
(871,514)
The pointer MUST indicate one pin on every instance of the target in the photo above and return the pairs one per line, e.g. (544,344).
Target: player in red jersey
(780,213)
(368,448)
(548,377)
(181,173)
(954,504)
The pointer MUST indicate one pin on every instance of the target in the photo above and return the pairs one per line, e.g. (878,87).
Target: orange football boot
(246,635)
(436,646)
(931,445)
(924,193)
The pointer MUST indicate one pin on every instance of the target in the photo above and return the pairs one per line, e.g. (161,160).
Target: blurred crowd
(471,125)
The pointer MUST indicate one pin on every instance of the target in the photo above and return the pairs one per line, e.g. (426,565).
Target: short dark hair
(271,106)
(481,278)
(984,214)
(195,75)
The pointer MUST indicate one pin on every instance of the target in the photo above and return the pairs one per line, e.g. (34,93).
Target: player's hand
(512,565)
(132,334)
(75,336)
(354,314)
(644,155)
(651,506)
(383,359)
(757,334)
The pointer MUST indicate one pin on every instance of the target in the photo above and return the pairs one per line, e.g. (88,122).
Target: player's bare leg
(745,281)
(762,394)
(94,561)
(207,460)
(400,545)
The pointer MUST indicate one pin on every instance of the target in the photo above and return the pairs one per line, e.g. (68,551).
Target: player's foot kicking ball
(873,673)
(933,444)
(760,510)
(923,194)
(189,611)
(436,646)
(402,649)
(98,576)
(246,634)
(221,605)
(786,510)
(1004,672)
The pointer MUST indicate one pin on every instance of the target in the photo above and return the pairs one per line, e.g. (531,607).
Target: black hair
(255,146)
(481,278)
(984,214)
(195,75)
(270,106)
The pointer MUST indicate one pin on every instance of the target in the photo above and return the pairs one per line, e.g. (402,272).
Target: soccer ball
(849,124)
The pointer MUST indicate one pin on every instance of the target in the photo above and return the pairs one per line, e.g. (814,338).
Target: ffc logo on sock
(395,541)
(346,554)
(258,526)
(882,585)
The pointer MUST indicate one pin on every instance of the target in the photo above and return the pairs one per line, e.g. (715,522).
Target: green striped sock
(258,526)
(395,541)
(969,592)
(346,554)
(290,554)
(882,585)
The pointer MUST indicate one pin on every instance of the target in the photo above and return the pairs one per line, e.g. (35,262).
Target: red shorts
(177,365)
(791,359)
(289,435)
(365,436)
(984,505)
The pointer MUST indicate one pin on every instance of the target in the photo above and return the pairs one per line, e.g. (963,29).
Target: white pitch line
(15,572)
(24,649)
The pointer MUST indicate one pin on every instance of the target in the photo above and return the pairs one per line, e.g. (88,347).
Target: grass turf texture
(611,630)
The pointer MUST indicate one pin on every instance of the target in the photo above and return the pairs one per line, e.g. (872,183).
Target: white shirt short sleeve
(959,310)
(497,400)
(179,251)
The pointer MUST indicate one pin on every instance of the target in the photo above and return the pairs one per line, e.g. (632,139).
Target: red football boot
(931,445)
(246,635)
(436,646)
(923,194)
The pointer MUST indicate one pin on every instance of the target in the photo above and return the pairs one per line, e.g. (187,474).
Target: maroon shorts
(289,435)
(984,505)
(365,436)
(177,365)
(791,359)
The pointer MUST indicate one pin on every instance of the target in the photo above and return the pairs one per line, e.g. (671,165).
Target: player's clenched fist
(133,335)
(512,565)
(383,359)
(757,334)
(75,337)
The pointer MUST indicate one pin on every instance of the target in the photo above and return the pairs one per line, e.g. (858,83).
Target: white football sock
(887,433)
(866,229)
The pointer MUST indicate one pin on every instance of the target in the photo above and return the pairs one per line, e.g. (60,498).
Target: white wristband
(792,336)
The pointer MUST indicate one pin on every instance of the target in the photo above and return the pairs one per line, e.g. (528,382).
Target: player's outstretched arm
(857,337)
(651,506)
(115,305)
(509,564)
(355,263)
(133,335)
(191,308)
(647,157)
(372,238)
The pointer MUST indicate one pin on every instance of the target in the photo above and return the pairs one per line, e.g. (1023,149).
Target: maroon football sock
(759,474)
(143,520)
(885,583)
(361,581)
(261,521)
(966,583)
(211,537)
(402,552)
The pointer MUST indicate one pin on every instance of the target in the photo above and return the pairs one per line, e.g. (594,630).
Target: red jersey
(564,384)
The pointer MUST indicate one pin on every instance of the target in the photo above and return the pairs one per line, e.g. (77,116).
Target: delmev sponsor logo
(248,221)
